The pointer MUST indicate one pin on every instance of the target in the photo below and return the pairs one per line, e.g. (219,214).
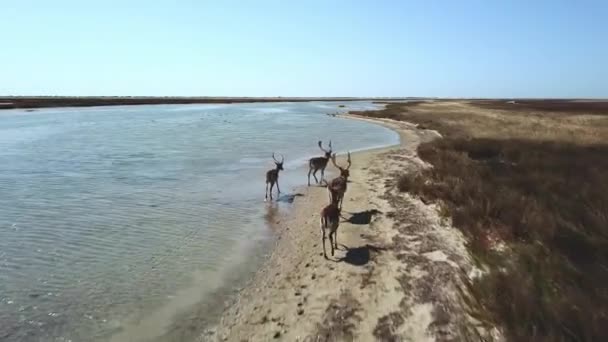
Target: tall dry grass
(527,183)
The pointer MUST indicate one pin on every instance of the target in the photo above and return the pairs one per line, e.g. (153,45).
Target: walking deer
(272,177)
(337,187)
(319,163)
(330,220)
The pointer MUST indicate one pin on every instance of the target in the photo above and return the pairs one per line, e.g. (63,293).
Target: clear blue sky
(485,48)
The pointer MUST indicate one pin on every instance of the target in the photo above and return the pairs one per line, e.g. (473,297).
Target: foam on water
(116,217)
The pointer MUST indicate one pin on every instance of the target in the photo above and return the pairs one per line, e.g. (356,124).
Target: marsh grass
(529,189)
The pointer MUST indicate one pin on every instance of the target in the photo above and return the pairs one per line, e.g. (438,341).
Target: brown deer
(337,187)
(272,177)
(330,220)
(319,163)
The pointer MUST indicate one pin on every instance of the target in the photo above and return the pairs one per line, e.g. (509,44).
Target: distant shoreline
(32,102)
(35,102)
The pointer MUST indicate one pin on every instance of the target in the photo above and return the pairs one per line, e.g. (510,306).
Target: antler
(330,146)
(349,162)
(321,146)
(333,161)
(275,159)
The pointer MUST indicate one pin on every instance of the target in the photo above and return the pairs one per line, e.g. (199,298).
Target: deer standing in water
(330,220)
(319,163)
(337,187)
(272,177)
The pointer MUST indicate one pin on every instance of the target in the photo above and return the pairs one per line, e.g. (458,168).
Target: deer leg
(266,193)
(322,174)
(314,174)
(309,171)
(336,238)
(323,241)
(278,190)
(271,187)
(331,242)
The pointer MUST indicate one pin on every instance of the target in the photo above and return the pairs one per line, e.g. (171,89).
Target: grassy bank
(527,183)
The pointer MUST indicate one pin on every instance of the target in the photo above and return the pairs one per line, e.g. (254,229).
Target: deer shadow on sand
(363,217)
(359,256)
(289,198)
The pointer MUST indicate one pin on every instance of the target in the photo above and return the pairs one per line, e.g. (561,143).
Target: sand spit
(400,273)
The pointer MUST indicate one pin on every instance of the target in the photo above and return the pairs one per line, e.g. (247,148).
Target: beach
(397,274)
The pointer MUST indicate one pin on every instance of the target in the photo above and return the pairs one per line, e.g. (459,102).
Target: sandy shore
(399,274)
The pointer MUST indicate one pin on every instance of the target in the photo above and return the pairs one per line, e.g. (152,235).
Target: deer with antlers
(319,163)
(272,177)
(337,187)
(330,220)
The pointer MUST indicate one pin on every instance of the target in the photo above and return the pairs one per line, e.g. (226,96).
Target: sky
(449,48)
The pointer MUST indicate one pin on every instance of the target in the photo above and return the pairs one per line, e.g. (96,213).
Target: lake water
(113,220)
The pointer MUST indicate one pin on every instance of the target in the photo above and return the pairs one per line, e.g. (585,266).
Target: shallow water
(120,217)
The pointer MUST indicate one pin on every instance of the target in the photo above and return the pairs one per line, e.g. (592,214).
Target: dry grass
(559,107)
(529,188)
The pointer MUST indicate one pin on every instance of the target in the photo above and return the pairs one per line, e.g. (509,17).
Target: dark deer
(319,163)
(337,187)
(272,177)
(330,220)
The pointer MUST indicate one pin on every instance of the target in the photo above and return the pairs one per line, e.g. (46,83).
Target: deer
(272,177)
(337,187)
(330,220)
(319,163)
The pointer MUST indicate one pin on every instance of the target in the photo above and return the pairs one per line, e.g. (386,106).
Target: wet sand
(399,273)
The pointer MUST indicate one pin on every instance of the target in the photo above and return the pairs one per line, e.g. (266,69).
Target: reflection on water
(118,217)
